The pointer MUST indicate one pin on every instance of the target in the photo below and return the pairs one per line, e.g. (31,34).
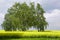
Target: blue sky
(52,8)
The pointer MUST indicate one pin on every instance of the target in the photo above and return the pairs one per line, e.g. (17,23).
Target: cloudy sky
(51,7)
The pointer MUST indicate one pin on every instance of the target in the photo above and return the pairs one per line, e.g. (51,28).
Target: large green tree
(42,24)
(23,16)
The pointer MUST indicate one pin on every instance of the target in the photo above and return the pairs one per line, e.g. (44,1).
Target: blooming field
(29,34)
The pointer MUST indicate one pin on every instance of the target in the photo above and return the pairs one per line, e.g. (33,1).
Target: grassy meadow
(33,39)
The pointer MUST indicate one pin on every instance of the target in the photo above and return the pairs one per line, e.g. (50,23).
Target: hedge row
(28,34)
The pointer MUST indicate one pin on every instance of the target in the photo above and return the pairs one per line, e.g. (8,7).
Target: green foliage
(22,17)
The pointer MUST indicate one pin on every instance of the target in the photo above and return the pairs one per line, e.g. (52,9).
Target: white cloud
(54,13)
(53,19)
(1,18)
(50,5)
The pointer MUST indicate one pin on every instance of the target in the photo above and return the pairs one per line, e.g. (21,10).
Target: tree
(42,24)
(23,16)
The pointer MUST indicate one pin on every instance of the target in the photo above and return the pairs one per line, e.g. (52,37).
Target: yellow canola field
(30,34)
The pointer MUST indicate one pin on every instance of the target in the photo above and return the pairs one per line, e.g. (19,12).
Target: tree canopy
(23,16)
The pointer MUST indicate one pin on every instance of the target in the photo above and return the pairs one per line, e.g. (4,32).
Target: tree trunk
(42,28)
(14,29)
(23,29)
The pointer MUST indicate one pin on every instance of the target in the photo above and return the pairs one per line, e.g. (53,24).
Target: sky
(51,7)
